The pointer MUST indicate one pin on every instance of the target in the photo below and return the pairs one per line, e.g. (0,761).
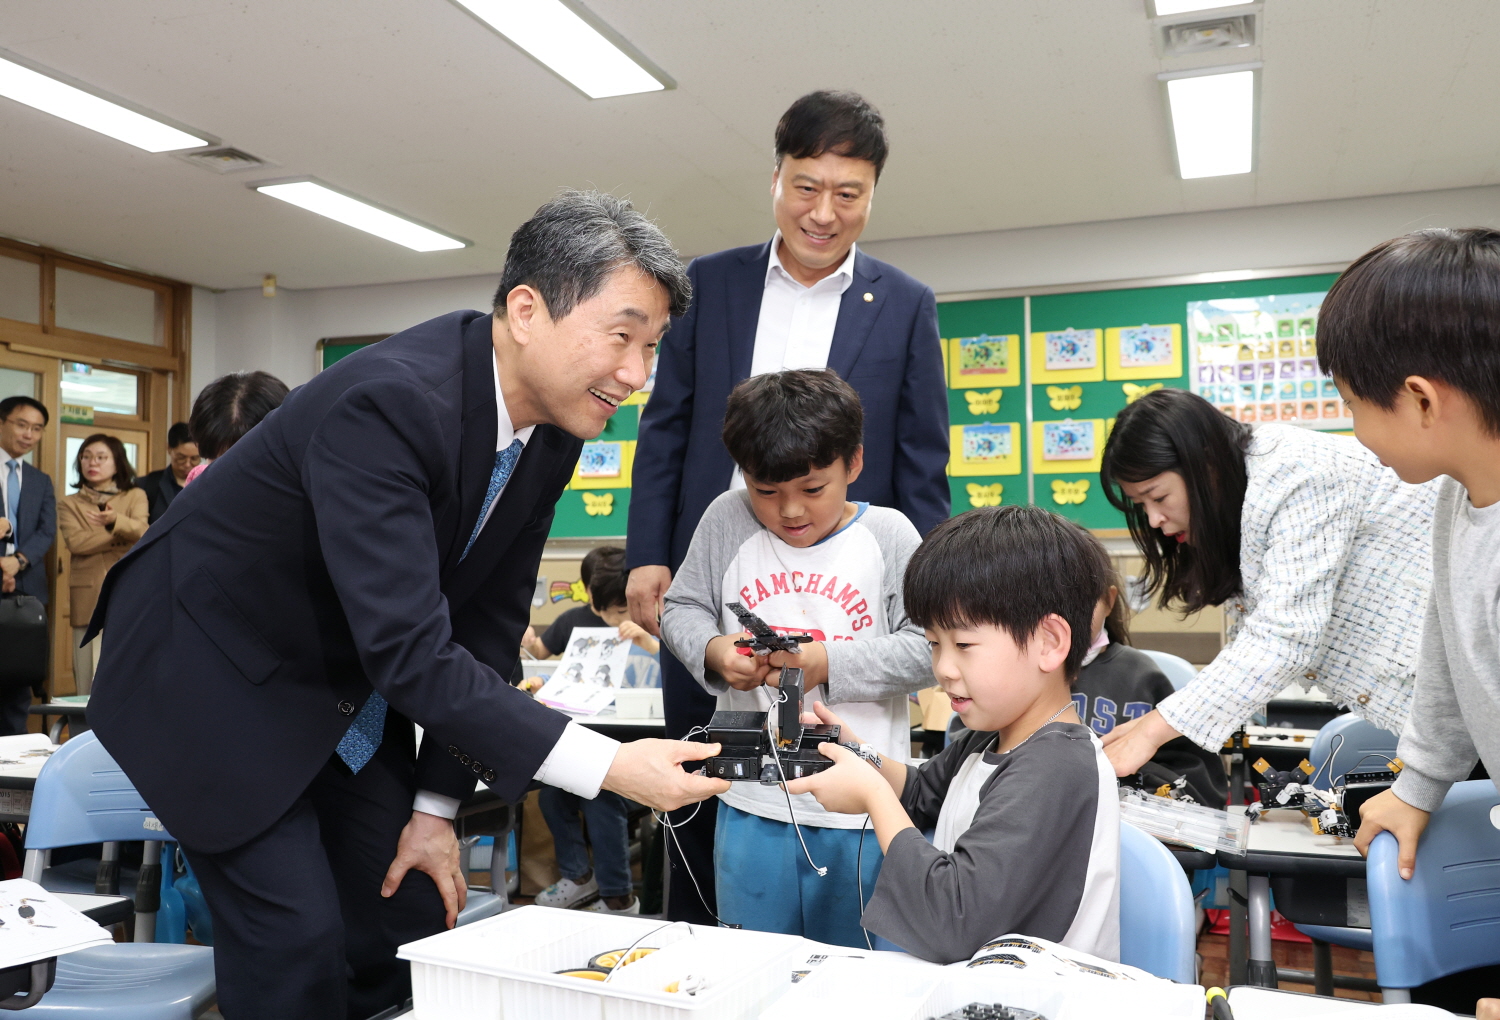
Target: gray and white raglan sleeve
(693,604)
(899,662)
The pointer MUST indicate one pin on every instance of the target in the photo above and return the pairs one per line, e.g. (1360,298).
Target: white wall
(278,334)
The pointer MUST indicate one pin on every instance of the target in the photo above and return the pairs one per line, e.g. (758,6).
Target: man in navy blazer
(805,299)
(28,524)
(361,560)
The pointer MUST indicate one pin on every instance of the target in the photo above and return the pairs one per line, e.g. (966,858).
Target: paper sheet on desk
(592,668)
(1268,1004)
(35,925)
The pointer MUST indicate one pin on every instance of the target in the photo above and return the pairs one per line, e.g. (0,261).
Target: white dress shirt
(795,329)
(579,760)
(8,543)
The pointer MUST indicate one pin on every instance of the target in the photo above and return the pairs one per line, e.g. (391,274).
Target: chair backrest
(1352,742)
(82,796)
(1178,669)
(1447,917)
(1157,922)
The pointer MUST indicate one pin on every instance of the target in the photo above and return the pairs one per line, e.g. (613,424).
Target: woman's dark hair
(842,123)
(229,407)
(782,425)
(124,477)
(1008,567)
(603,574)
(1174,430)
(1427,304)
(1117,623)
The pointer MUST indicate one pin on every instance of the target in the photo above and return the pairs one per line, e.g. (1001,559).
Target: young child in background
(1117,683)
(795,551)
(1024,806)
(605,885)
(1411,334)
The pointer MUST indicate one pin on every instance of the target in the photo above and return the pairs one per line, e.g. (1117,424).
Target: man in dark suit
(162,485)
(806,299)
(364,559)
(28,524)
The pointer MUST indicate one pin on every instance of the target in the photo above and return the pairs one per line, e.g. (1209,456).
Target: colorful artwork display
(1068,440)
(984,360)
(600,460)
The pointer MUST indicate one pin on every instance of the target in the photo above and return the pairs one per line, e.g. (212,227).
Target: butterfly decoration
(983,402)
(1134,392)
(985,495)
(1064,398)
(574,590)
(1064,493)
(598,504)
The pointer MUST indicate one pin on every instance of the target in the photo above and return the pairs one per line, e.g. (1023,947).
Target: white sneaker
(600,907)
(565,893)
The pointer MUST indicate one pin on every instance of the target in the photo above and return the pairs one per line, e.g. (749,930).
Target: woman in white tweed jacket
(1320,556)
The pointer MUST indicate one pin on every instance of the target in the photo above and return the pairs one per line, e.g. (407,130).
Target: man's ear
(523,309)
(1054,639)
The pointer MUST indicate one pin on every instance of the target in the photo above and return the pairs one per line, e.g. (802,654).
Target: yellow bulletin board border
(627,465)
(1010,376)
(1040,373)
(1113,369)
(958,467)
(1102,429)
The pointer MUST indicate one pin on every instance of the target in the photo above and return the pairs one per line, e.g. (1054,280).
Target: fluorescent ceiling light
(361,215)
(581,49)
(1213,122)
(1167,7)
(50,94)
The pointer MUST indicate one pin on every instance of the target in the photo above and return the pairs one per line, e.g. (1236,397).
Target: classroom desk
(611,725)
(1281,843)
(21,760)
(1250,1003)
(73,713)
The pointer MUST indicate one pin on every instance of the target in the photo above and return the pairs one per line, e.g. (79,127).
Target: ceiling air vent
(1212,34)
(223,160)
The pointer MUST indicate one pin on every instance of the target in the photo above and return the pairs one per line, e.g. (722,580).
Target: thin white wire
(821,872)
(620,962)
(859,878)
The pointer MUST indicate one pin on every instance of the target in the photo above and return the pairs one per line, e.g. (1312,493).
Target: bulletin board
(1090,353)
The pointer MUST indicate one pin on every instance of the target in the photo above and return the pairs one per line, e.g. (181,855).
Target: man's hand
(1131,745)
(4,527)
(1487,1009)
(429,845)
(10,566)
(644,591)
(813,661)
(650,772)
(1386,812)
(740,671)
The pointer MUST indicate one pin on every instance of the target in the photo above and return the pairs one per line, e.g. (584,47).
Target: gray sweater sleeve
(1436,746)
(899,662)
(693,604)
(1021,865)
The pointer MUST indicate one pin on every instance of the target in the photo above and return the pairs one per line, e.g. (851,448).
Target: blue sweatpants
(765,883)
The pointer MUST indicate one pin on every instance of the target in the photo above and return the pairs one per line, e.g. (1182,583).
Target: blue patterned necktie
(12,501)
(364,733)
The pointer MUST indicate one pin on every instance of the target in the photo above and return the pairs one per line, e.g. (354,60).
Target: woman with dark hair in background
(229,407)
(1320,556)
(99,524)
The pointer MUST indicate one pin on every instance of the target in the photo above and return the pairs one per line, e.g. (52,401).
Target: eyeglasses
(25,427)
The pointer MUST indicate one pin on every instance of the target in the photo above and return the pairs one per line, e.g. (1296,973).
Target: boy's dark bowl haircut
(782,425)
(604,575)
(1008,567)
(1426,303)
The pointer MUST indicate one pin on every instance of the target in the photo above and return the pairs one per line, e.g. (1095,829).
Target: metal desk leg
(1322,967)
(1239,950)
(1262,965)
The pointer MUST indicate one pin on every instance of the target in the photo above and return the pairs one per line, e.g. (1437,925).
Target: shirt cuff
(578,761)
(430,803)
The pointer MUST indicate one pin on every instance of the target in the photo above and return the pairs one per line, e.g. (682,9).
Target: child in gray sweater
(1411,335)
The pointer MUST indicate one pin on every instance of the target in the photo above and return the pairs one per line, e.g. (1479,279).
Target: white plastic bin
(503,968)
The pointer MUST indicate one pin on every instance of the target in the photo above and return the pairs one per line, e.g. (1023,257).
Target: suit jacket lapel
(515,507)
(856,315)
(745,291)
(476,460)
(31,496)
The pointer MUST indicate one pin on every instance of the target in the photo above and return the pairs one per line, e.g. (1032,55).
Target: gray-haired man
(364,557)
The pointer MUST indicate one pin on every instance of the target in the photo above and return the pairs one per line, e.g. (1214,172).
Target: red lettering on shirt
(848,595)
(745,597)
(795,586)
(760,591)
(778,584)
(813,580)
(858,607)
(833,586)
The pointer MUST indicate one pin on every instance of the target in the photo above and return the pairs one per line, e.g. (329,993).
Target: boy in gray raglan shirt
(1411,334)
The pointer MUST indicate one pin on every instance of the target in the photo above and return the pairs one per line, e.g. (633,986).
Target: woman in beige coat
(99,524)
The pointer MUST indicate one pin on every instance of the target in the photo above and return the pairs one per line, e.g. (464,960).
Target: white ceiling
(1002,114)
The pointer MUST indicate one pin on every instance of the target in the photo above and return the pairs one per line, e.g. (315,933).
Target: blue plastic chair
(1158,926)
(1447,917)
(81,797)
(1178,669)
(1351,742)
